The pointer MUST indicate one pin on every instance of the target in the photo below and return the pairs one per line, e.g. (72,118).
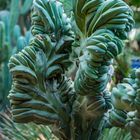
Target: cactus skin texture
(42,93)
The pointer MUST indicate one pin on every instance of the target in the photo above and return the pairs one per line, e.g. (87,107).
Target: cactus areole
(76,109)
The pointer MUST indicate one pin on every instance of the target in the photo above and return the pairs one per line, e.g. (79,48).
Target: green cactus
(4,77)
(11,43)
(116,134)
(18,7)
(13,131)
(6,51)
(14,14)
(26,6)
(42,92)
(125,99)
(8,129)
(4,17)
(2,39)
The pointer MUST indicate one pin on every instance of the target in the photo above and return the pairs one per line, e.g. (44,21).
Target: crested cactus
(42,92)
(11,44)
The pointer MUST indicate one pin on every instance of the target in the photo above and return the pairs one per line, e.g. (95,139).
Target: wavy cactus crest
(104,27)
(40,91)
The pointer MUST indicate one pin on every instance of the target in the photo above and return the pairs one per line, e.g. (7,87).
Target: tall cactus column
(42,93)
(102,25)
(4,77)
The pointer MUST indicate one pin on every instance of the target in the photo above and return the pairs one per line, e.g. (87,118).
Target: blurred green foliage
(134,2)
(4,4)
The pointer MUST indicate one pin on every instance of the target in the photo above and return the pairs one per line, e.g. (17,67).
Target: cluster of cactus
(36,63)
(4,78)
(41,91)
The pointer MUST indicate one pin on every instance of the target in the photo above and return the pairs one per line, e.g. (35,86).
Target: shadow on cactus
(41,91)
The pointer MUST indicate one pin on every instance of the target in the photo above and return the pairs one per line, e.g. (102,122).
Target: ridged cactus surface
(42,93)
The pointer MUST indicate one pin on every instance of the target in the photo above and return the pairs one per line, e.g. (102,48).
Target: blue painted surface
(135,63)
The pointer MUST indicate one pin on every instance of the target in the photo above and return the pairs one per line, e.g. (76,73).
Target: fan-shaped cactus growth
(42,93)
